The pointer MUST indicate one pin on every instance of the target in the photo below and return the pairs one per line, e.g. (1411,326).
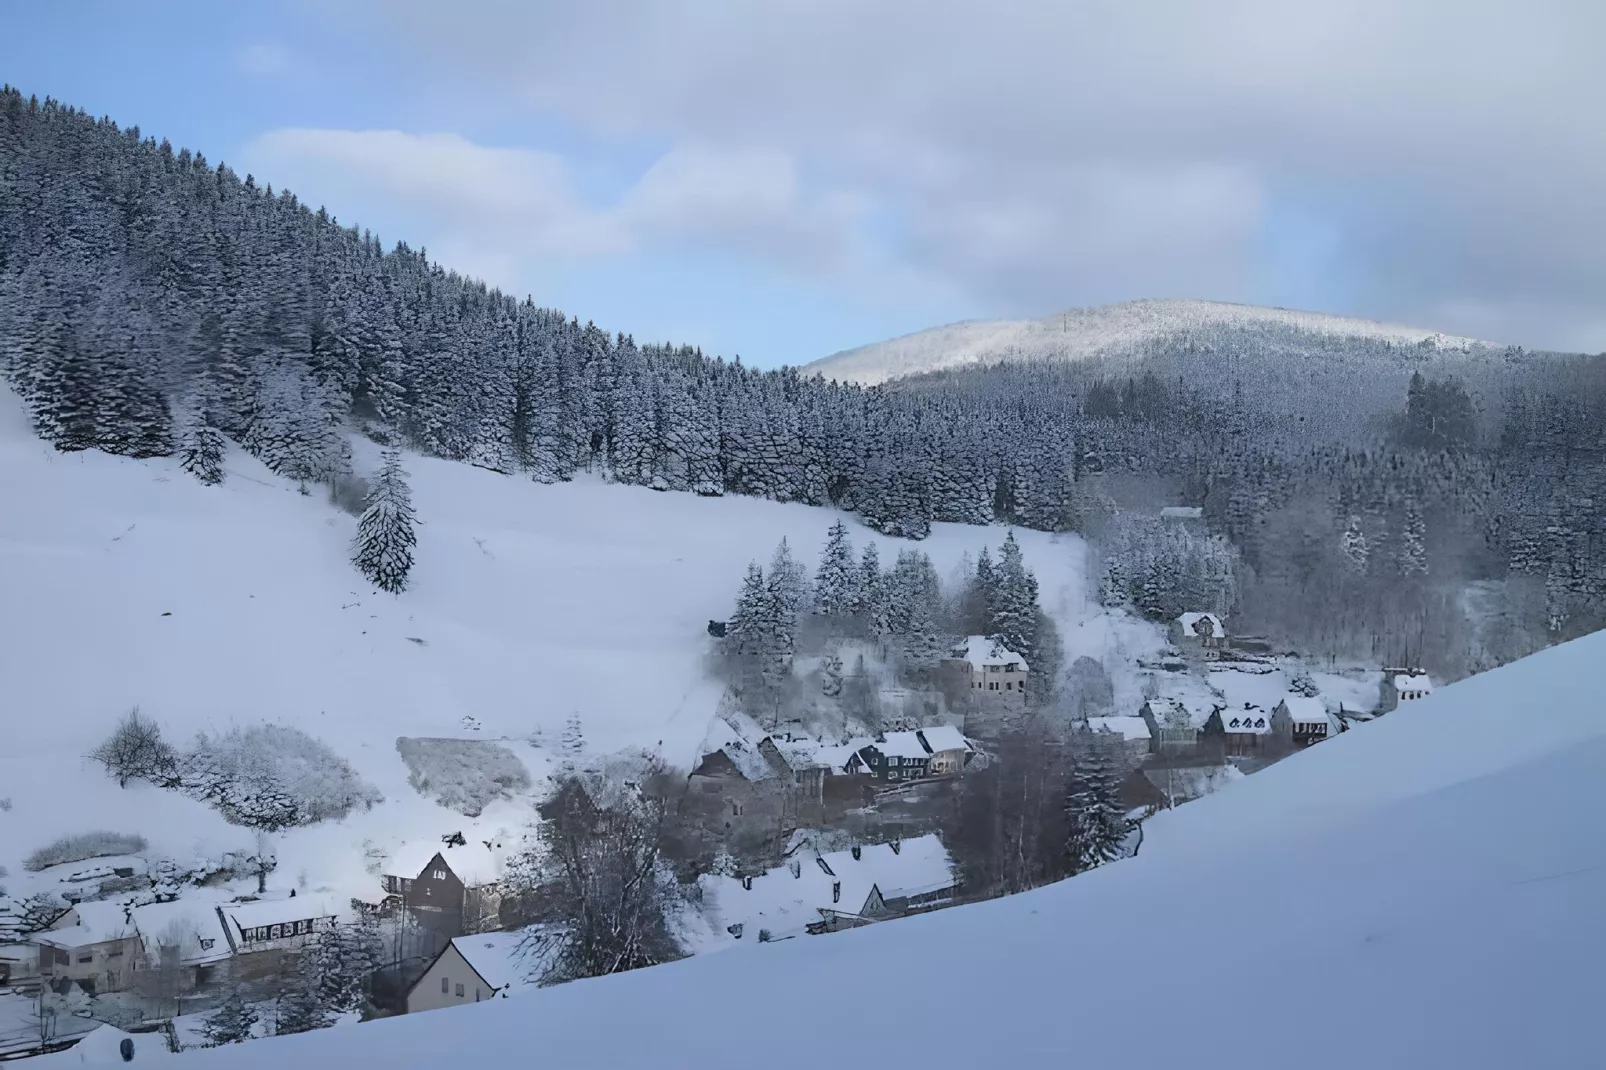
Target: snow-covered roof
(738,736)
(104,1045)
(1418,682)
(1125,727)
(786,904)
(1303,710)
(901,745)
(980,651)
(508,960)
(1192,709)
(944,737)
(1182,512)
(195,928)
(278,911)
(89,923)
(474,863)
(1247,718)
(1188,620)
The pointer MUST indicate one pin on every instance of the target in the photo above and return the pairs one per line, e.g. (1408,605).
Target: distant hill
(1111,330)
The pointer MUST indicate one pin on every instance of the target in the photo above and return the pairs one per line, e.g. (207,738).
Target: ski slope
(1087,332)
(1423,892)
(126,583)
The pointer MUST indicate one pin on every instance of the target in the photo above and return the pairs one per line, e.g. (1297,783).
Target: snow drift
(1422,892)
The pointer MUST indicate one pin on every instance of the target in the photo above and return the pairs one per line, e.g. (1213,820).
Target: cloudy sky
(785,178)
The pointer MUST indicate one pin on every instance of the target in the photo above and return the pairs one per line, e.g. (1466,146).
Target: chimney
(857,852)
(836,891)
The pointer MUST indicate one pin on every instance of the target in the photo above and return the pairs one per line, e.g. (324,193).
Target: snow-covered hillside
(127,583)
(1087,332)
(1422,892)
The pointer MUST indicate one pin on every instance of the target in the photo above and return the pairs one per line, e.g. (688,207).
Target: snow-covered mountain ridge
(1420,892)
(1091,332)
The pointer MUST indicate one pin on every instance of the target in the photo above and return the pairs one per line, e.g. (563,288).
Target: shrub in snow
(465,775)
(273,777)
(231,1022)
(82,846)
(300,1007)
(136,751)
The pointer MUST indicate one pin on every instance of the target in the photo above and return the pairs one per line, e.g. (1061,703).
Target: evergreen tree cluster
(1097,822)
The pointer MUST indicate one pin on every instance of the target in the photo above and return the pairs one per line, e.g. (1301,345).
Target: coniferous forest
(1360,497)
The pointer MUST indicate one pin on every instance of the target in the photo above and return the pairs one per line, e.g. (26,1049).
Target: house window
(1009,686)
(459,991)
(117,953)
(446,986)
(86,958)
(206,945)
(439,874)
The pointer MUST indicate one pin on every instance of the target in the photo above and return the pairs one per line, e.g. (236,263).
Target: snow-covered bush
(84,845)
(273,777)
(465,775)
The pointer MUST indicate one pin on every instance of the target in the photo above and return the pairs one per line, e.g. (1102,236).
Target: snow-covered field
(127,583)
(1424,891)
(1086,332)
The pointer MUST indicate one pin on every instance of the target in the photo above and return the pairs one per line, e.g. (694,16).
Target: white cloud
(1034,152)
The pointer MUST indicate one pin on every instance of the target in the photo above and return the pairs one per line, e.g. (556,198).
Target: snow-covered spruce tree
(383,548)
(833,580)
(347,956)
(870,594)
(231,1022)
(300,1007)
(573,743)
(200,443)
(831,675)
(1012,609)
(1097,822)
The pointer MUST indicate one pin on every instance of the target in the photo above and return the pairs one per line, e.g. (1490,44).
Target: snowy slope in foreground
(1086,332)
(125,582)
(1423,892)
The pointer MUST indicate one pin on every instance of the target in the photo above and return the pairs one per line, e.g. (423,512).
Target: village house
(1403,685)
(262,932)
(94,944)
(470,969)
(994,675)
(1134,735)
(1174,721)
(448,885)
(1300,721)
(1241,731)
(797,761)
(184,939)
(1200,635)
(816,893)
(900,757)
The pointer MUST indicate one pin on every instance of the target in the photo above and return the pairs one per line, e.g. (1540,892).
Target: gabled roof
(1247,718)
(943,737)
(474,864)
(788,899)
(1188,620)
(737,736)
(1130,728)
(196,929)
(279,911)
(1304,710)
(89,923)
(509,960)
(1413,682)
(981,650)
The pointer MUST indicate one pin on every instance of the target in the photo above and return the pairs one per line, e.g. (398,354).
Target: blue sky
(781,181)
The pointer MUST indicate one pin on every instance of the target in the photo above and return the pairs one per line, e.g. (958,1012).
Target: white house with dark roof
(1199,634)
(816,893)
(901,757)
(1241,730)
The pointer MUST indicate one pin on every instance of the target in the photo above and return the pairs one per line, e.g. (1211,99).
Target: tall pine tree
(383,548)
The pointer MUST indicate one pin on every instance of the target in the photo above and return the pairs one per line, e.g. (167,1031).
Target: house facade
(901,757)
(94,944)
(471,969)
(1240,732)
(454,887)
(1403,685)
(1132,735)
(993,676)
(1199,634)
(1300,721)
(185,942)
(263,932)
